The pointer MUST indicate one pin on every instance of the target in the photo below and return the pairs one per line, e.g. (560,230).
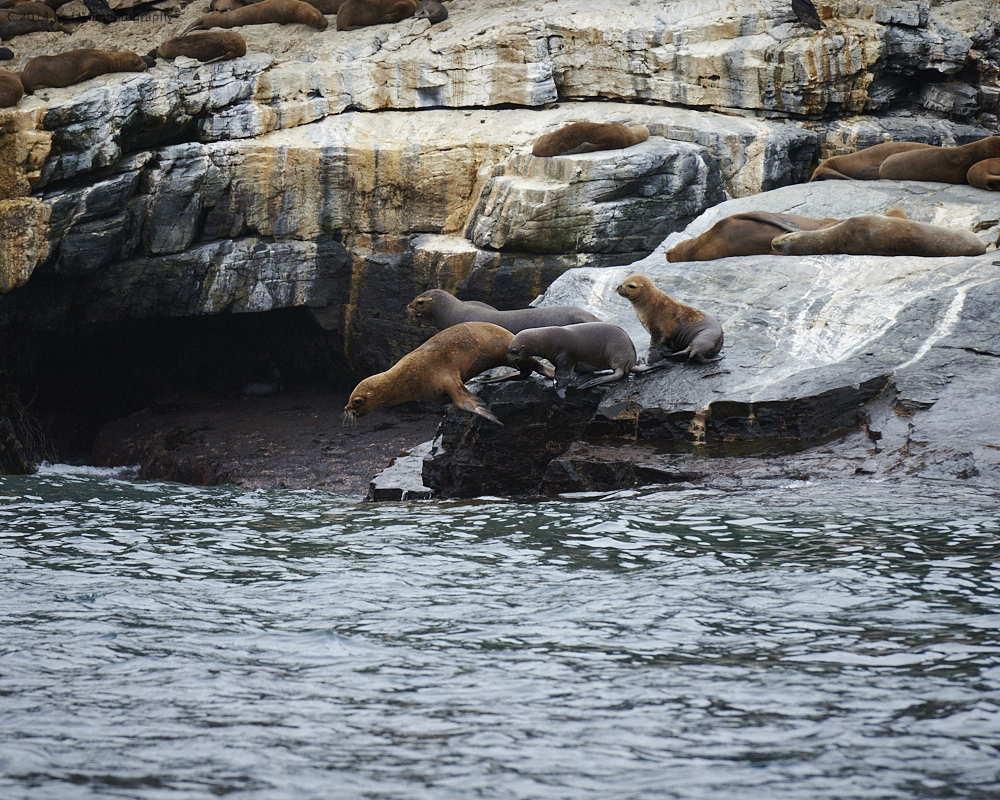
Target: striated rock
(617,201)
(957,100)
(893,354)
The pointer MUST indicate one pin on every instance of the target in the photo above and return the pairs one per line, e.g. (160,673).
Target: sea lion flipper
(467,401)
(617,375)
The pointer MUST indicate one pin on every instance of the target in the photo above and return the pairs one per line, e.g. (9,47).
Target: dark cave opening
(76,379)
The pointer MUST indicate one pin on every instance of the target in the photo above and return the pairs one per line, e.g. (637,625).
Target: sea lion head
(359,403)
(634,287)
(420,306)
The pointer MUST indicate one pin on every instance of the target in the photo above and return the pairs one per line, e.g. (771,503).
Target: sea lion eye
(358,401)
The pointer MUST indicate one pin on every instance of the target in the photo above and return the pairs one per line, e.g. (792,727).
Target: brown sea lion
(25,9)
(675,330)
(864,164)
(985,174)
(323,6)
(747,234)
(283,12)
(874,235)
(438,370)
(589,136)
(445,310)
(19,27)
(588,346)
(208,46)
(354,14)
(11,89)
(942,164)
(225,5)
(75,66)
(432,11)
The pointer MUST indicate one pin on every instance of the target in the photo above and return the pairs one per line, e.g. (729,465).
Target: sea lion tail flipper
(617,375)
(194,26)
(650,367)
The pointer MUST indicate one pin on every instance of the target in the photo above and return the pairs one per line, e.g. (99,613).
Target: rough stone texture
(900,349)
(22,241)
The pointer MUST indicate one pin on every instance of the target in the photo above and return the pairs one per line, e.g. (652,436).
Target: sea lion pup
(805,12)
(596,135)
(864,164)
(354,14)
(445,310)
(985,174)
(432,11)
(284,12)
(438,370)
(588,345)
(747,234)
(874,235)
(11,89)
(209,46)
(675,330)
(76,66)
(943,164)
(19,27)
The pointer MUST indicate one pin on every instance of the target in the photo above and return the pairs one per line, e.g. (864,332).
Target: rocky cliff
(337,174)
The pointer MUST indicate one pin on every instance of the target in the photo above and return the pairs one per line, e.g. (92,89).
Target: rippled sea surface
(803,641)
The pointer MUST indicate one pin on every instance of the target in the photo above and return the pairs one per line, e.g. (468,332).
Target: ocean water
(834,640)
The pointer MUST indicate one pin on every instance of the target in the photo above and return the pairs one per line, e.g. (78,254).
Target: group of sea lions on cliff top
(18,17)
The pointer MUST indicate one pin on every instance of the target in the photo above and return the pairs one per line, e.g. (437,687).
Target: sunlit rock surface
(887,363)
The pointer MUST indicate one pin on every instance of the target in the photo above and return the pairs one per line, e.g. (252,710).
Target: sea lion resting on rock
(446,310)
(596,135)
(76,66)
(943,164)
(864,164)
(354,14)
(747,234)
(26,10)
(208,46)
(20,27)
(322,6)
(438,370)
(675,330)
(11,89)
(874,235)
(284,12)
(985,174)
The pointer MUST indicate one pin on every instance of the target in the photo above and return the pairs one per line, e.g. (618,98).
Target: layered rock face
(345,172)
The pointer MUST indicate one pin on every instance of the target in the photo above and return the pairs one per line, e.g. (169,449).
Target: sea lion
(943,164)
(6,54)
(589,346)
(675,330)
(19,27)
(225,5)
(445,310)
(323,6)
(431,10)
(75,66)
(438,370)
(208,46)
(864,164)
(354,14)
(26,9)
(985,174)
(284,12)
(874,235)
(11,89)
(805,12)
(747,234)
(595,135)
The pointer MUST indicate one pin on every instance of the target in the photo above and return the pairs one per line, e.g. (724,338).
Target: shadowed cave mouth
(75,380)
